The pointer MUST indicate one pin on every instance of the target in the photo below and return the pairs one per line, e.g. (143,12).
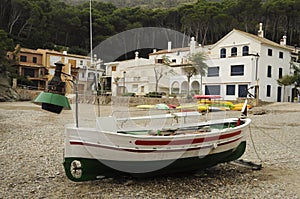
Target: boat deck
(196,129)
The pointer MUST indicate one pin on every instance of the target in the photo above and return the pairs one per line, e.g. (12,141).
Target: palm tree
(197,67)
(296,72)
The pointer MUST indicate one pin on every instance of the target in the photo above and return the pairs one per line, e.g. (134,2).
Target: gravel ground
(31,153)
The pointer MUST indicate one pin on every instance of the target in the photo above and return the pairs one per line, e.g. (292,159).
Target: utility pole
(256,78)
(124,90)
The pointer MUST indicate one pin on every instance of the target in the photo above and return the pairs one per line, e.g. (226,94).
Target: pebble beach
(32,146)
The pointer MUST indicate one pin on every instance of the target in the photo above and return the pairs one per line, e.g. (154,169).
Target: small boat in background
(192,107)
(213,103)
(161,106)
(145,106)
(239,107)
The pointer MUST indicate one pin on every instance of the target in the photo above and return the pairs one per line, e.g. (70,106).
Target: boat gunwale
(187,135)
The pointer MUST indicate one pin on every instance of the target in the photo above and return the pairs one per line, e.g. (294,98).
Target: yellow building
(73,64)
(28,64)
(38,66)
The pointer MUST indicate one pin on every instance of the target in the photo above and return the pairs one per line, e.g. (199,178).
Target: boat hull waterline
(92,154)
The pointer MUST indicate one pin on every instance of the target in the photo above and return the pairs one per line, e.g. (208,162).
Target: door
(243,90)
(279,94)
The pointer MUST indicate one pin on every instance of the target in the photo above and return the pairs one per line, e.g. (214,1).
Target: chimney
(260,31)
(283,40)
(169,46)
(192,45)
(154,50)
(65,52)
(136,54)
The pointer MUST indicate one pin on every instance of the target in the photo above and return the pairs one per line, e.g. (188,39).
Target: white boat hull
(146,154)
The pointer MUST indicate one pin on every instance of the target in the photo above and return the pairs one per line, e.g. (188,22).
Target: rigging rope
(254,147)
(264,132)
(272,137)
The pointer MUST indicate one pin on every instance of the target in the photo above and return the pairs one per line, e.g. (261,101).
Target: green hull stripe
(91,168)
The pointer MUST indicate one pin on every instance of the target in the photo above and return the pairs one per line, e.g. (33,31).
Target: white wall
(275,62)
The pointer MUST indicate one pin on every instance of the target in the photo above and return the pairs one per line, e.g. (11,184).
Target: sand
(32,143)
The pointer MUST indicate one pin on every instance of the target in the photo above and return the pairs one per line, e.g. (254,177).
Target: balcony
(38,77)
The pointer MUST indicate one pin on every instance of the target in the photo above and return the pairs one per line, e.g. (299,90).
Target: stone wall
(26,94)
(29,95)
(122,100)
(134,101)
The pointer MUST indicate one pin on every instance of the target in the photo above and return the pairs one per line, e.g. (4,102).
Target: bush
(24,81)
(155,94)
(129,94)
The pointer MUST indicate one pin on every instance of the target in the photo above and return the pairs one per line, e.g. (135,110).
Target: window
(223,53)
(113,68)
(268,90)
(173,60)
(91,75)
(280,73)
(245,50)
(269,72)
(212,90)
(233,51)
(82,75)
(23,58)
(34,59)
(230,90)
(81,62)
(28,72)
(280,55)
(51,71)
(237,70)
(270,52)
(160,61)
(136,78)
(243,90)
(213,71)
(72,62)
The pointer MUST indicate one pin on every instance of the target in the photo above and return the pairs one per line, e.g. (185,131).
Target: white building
(139,76)
(237,63)
(88,75)
(241,60)
(178,58)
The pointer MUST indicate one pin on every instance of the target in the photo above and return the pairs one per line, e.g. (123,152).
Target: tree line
(140,3)
(53,24)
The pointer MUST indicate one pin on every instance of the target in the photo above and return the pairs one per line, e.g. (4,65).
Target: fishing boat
(107,150)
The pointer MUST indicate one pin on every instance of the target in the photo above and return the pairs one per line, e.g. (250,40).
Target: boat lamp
(54,100)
